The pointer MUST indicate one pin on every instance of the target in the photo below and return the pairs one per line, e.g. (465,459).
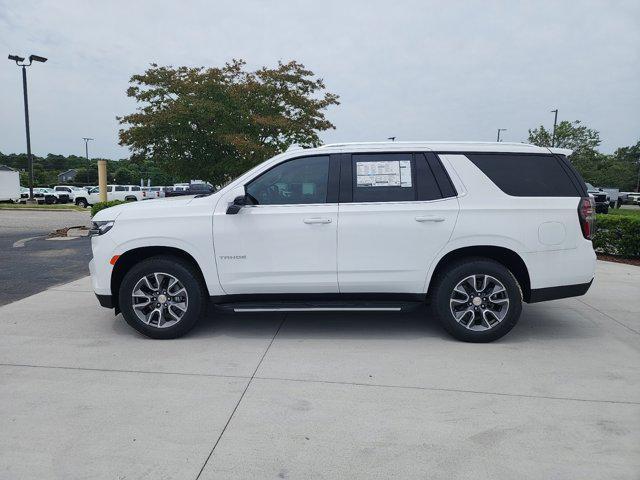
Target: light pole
(555,122)
(20,62)
(86,152)
(500,130)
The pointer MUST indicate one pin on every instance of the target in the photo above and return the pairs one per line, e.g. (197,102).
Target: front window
(299,181)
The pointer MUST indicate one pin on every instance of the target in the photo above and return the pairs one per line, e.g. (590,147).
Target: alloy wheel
(160,300)
(479,302)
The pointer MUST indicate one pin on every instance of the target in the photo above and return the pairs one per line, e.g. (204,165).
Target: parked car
(600,197)
(126,193)
(372,227)
(70,193)
(194,188)
(150,193)
(633,198)
(45,195)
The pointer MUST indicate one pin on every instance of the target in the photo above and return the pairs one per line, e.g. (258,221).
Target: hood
(145,209)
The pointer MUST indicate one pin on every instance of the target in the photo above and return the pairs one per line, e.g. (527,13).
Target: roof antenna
(393,139)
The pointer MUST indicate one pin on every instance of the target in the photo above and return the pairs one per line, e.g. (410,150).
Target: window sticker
(383,174)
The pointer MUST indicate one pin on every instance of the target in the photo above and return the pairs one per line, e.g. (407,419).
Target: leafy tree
(125,174)
(571,135)
(214,123)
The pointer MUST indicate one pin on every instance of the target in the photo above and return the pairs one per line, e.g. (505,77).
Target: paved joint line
(114,370)
(452,390)
(241,397)
(609,316)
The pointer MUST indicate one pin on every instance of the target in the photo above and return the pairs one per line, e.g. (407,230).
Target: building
(67,176)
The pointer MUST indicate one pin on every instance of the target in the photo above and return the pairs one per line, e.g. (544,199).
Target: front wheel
(81,202)
(477,300)
(162,297)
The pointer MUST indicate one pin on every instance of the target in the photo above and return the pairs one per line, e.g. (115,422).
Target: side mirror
(237,205)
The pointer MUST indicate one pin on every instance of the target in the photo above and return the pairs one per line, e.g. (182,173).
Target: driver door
(286,241)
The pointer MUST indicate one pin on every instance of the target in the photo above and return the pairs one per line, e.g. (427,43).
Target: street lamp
(21,63)
(500,130)
(86,151)
(555,122)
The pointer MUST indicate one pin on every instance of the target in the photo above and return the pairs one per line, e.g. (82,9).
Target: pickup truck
(126,193)
(198,188)
(600,197)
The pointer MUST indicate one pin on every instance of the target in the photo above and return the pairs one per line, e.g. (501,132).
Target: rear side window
(524,175)
(385,177)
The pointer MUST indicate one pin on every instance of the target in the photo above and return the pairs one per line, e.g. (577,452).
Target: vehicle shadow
(537,323)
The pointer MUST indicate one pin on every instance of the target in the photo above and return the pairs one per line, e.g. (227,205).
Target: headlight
(100,228)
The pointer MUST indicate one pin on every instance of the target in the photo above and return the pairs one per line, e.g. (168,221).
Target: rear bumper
(563,291)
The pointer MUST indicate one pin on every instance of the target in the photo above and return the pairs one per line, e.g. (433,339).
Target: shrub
(617,235)
(96,207)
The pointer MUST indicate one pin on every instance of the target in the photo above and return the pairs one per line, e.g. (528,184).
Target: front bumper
(105,301)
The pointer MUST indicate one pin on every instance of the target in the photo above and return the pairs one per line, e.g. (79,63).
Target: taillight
(586,216)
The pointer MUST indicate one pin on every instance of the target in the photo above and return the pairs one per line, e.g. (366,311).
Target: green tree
(215,123)
(572,135)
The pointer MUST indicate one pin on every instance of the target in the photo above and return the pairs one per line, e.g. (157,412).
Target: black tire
(186,274)
(455,273)
(81,202)
(130,199)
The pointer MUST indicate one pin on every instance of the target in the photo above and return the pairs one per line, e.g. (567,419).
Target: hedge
(617,235)
(96,207)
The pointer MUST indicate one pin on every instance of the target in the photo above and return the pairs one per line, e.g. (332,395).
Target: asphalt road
(31,263)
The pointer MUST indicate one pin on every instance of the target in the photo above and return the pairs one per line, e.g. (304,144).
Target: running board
(246,307)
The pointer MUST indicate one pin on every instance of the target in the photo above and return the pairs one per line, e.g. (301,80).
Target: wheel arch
(135,255)
(505,256)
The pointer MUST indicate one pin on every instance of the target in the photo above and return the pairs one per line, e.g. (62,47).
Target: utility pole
(20,62)
(86,152)
(500,130)
(555,122)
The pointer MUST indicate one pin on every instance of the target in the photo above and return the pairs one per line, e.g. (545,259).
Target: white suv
(473,229)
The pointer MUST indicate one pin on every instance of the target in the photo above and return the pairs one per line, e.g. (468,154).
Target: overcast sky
(417,70)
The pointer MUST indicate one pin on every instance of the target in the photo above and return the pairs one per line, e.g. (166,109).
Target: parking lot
(30,261)
(305,396)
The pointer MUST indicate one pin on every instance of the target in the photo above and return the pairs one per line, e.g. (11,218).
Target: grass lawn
(18,206)
(630,210)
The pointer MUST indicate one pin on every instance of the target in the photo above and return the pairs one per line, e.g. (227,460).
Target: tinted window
(383,177)
(526,175)
(120,188)
(135,189)
(303,180)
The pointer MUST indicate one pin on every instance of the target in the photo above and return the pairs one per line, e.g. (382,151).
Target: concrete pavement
(326,396)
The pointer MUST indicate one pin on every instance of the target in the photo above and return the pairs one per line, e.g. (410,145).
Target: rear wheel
(162,297)
(81,202)
(477,300)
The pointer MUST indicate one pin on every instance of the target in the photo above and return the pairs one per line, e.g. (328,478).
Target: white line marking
(20,243)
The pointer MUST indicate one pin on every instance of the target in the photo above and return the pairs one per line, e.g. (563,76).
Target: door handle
(429,218)
(310,221)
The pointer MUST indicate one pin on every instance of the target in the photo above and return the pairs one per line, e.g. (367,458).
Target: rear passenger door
(396,212)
